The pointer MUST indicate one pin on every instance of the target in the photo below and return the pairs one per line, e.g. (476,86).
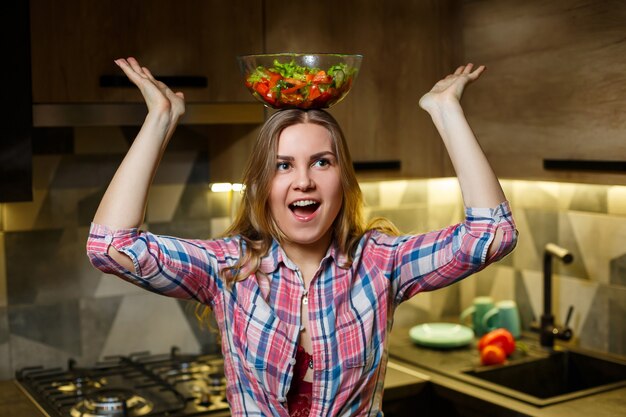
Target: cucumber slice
(340,77)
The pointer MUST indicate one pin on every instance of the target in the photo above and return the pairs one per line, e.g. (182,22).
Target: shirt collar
(340,258)
(276,256)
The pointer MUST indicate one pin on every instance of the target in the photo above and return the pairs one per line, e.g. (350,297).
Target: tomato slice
(261,88)
(291,90)
(322,78)
(314,92)
(265,92)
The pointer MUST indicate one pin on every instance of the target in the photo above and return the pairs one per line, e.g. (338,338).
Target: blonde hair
(254,223)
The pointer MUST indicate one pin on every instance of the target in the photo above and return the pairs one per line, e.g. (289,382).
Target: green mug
(503,314)
(477,311)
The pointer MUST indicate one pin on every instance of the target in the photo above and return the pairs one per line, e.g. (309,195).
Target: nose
(303,181)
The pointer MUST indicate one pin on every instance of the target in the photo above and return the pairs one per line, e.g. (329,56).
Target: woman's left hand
(451,87)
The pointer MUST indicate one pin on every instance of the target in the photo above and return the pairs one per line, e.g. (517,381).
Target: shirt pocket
(355,334)
(259,341)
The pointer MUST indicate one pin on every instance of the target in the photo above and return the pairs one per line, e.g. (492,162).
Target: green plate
(441,335)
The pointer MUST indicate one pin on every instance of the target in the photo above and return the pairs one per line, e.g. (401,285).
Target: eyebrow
(312,158)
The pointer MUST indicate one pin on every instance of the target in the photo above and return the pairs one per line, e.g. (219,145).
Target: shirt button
(108,239)
(292,361)
(305,301)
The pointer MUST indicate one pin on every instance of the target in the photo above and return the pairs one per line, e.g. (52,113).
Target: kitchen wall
(588,220)
(54,305)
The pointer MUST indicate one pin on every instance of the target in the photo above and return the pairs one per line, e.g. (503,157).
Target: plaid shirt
(350,308)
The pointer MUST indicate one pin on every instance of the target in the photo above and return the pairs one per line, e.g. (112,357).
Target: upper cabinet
(554,90)
(407,47)
(195,42)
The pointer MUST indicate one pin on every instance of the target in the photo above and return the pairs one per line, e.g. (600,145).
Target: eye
(322,162)
(282,166)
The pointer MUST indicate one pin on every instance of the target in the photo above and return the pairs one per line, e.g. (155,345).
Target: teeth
(303,203)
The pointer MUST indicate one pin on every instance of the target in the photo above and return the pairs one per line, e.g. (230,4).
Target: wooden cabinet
(16,118)
(554,88)
(407,46)
(74,43)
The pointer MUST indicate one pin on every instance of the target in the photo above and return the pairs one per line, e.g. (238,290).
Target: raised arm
(479,185)
(124,202)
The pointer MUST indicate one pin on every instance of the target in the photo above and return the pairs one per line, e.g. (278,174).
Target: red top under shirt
(301,391)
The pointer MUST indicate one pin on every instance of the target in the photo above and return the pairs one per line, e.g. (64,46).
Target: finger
(161,85)
(140,80)
(122,63)
(130,72)
(125,66)
(135,66)
(170,94)
(148,74)
(459,70)
(468,68)
(476,73)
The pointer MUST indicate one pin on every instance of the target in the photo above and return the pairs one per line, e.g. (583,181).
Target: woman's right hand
(159,97)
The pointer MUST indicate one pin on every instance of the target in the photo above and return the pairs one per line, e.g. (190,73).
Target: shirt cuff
(101,237)
(496,214)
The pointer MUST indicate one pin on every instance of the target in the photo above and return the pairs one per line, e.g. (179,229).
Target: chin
(303,238)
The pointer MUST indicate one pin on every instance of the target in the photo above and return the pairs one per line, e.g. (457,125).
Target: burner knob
(174,351)
(204,400)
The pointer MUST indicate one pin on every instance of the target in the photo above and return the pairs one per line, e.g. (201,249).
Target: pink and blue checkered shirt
(350,309)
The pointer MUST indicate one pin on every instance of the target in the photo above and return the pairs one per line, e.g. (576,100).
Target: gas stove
(141,384)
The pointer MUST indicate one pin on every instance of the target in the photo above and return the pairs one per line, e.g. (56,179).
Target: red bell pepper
(499,337)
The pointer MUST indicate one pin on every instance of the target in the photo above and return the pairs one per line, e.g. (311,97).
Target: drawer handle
(391,165)
(172,81)
(584,165)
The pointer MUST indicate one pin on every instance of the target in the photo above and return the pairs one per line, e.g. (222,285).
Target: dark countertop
(400,382)
(14,403)
(445,368)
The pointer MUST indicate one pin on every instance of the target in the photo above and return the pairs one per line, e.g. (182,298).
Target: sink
(557,377)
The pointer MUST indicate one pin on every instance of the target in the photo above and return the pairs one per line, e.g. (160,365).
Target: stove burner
(195,368)
(203,387)
(204,383)
(112,403)
(139,385)
(79,384)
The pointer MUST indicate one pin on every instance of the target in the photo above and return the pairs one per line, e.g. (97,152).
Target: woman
(302,292)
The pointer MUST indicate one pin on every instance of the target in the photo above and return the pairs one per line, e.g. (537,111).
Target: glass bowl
(303,81)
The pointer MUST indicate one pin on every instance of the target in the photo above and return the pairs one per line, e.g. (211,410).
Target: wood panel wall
(407,46)
(555,85)
(74,42)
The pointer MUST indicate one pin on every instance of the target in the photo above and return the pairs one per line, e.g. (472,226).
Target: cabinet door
(16,117)
(407,46)
(74,43)
(554,87)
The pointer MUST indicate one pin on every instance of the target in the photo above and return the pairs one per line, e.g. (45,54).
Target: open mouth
(304,208)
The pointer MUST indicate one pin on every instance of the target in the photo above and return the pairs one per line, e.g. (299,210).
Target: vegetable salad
(286,85)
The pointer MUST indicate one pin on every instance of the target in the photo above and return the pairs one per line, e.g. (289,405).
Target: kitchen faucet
(548,331)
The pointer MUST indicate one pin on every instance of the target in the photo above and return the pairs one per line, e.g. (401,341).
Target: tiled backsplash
(588,220)
(54,305)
